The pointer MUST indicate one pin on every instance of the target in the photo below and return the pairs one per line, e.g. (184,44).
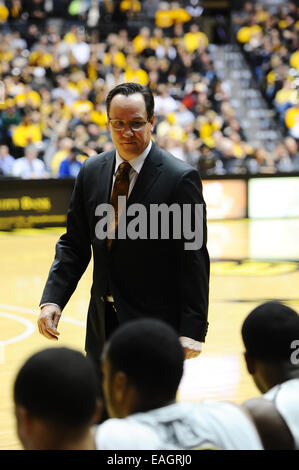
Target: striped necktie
(120,188)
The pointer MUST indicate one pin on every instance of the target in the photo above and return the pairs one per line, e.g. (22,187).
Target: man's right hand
(48,321)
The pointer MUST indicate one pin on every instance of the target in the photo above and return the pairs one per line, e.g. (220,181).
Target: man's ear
(25,424)
(120,386)
(23,416)
(250,363)
(152,121)
(98,414)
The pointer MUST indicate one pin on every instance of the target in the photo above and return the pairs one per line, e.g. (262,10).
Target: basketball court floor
(252,261)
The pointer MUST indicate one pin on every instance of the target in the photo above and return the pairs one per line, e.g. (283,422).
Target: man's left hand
(191,347)
(190,353)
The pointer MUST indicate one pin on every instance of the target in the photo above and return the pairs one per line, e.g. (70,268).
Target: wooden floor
(252,261)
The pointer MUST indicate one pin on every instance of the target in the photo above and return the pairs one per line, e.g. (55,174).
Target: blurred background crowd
(59,59)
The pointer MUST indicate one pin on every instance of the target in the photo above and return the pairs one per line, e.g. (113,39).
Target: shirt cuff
(50,303)
(190,343)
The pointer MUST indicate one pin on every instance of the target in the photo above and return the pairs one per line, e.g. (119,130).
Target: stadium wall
(44,203)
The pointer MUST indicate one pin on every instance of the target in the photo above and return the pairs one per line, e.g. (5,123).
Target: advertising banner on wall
(225,199)
(34,203)
(273,197)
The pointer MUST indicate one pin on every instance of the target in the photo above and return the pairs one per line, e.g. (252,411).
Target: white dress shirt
(136,164)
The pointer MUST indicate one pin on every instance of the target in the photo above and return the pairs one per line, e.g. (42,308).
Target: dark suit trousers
(111,323)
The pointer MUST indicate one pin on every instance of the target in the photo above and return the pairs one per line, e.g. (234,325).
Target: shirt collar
(136,163)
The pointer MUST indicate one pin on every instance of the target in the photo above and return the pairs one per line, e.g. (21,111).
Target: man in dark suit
(153,276)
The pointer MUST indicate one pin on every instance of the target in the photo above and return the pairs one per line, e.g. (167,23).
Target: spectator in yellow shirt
(163,17)
(195,39)
(82,106)
(170,15)
(285,98)
(131,7)
(4,12)
(179,14)
(134,73)
(292,121)
(26,132)
(294,60)
(142,40)
(40,57)
(99,116)
(64,147)
(114,57)
(71,36)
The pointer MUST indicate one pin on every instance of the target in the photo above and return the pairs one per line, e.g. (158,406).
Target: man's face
(3,151)
(129,142)
(31,155)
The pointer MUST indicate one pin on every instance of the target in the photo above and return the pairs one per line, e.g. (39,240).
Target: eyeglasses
(120,125)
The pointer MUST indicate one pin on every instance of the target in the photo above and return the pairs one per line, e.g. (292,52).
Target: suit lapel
(147,176)
(106,176)
(102,183)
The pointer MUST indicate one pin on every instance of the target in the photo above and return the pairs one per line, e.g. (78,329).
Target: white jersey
(285,398)
(181,426)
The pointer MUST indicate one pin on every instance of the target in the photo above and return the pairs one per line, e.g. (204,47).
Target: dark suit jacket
(153,278)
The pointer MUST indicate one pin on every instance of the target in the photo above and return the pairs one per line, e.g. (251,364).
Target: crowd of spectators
(270,41)
(58,60)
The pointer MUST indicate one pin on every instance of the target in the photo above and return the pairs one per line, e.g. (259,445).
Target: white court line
(35,312)
(30,328)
